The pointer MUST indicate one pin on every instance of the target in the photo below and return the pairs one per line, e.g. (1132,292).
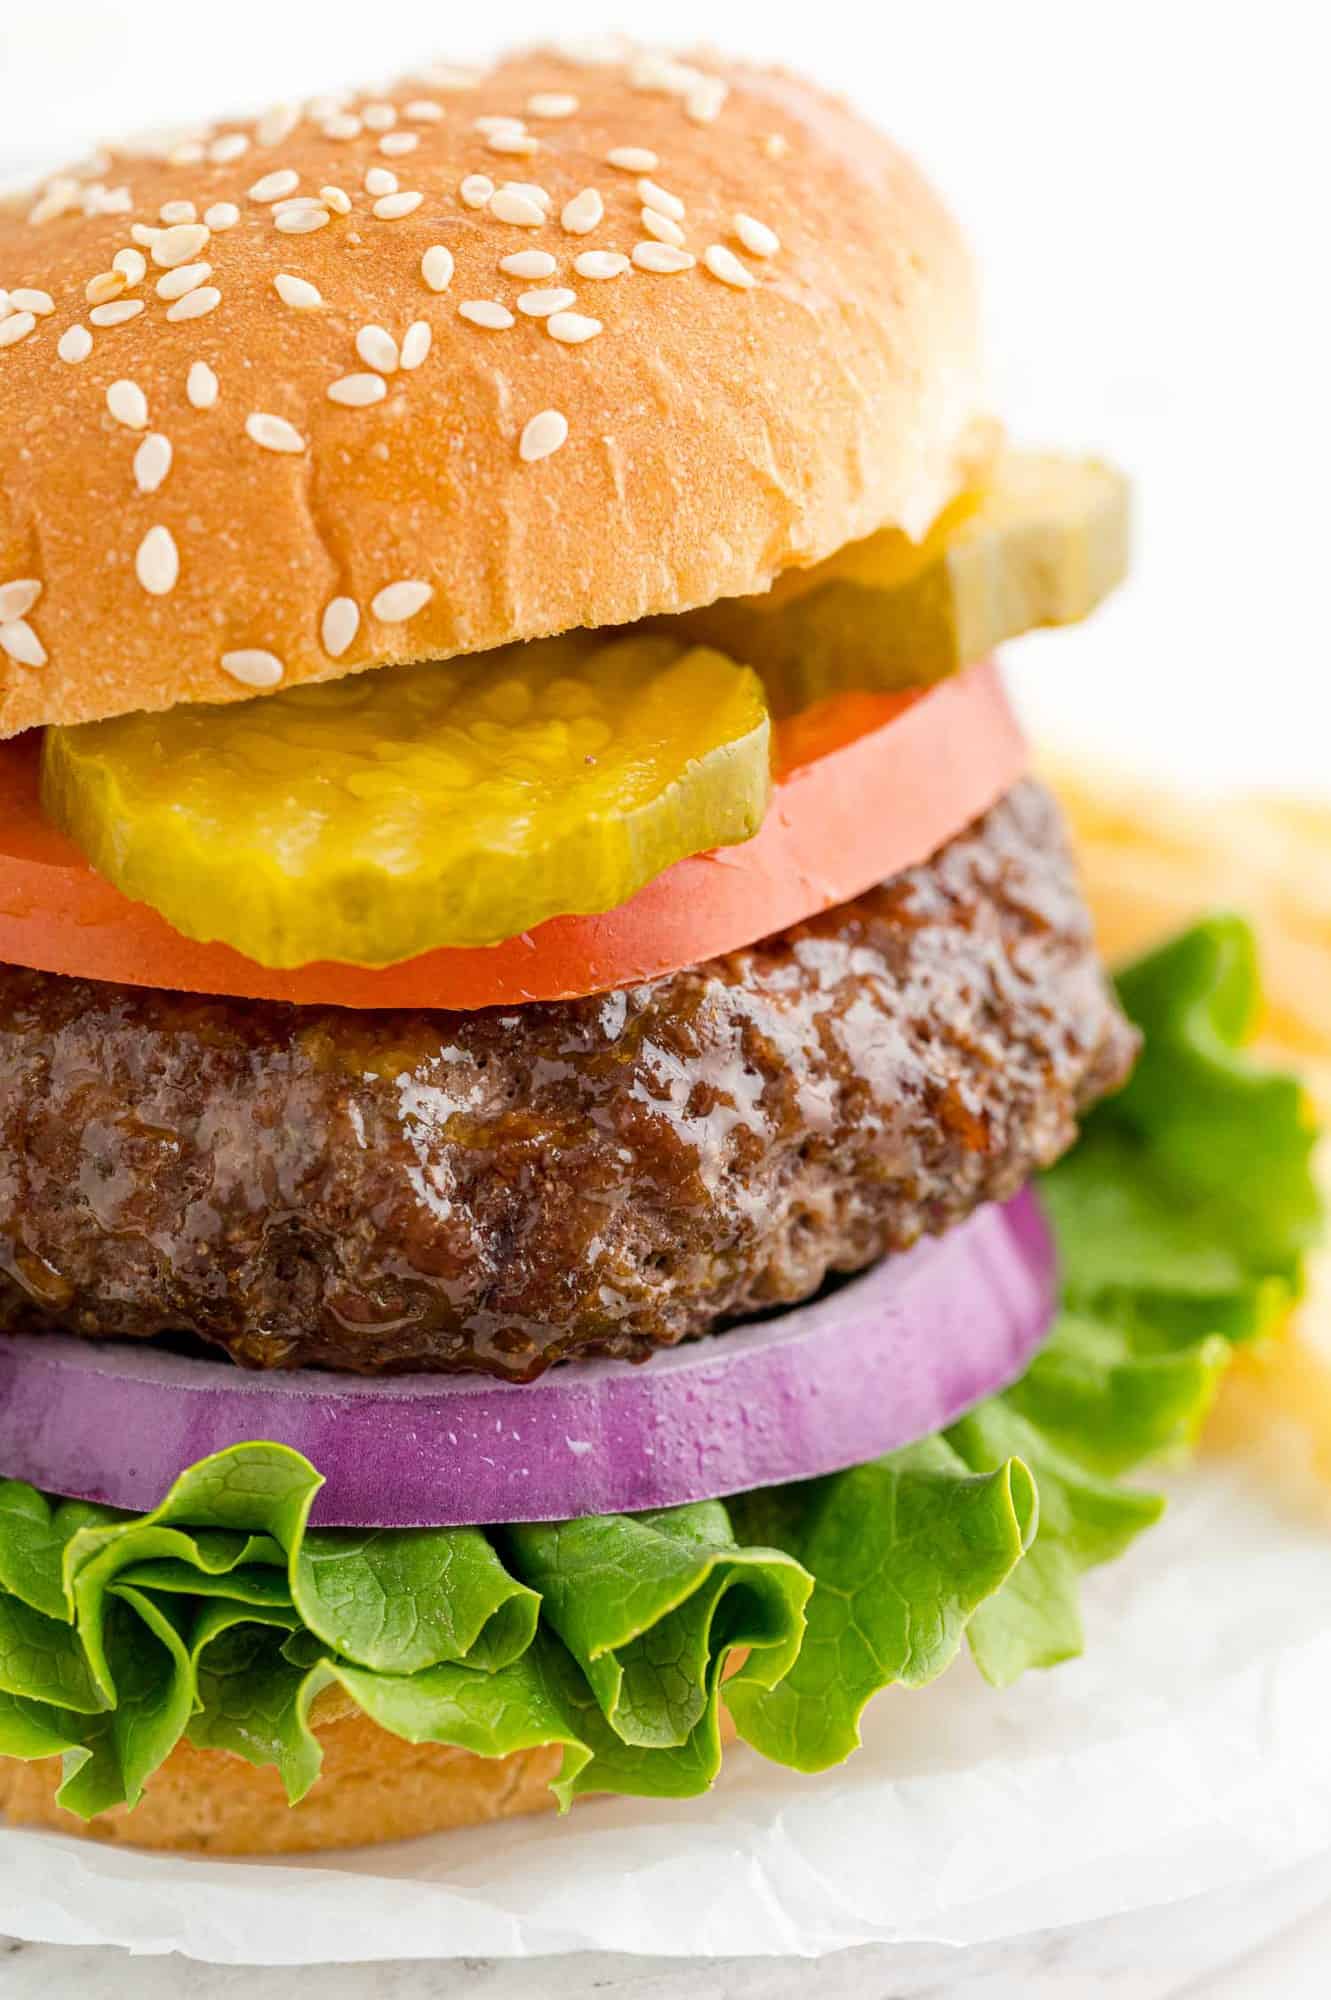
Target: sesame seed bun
(209,485)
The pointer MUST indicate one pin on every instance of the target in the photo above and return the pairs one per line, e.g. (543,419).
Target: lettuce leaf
(1182,1216)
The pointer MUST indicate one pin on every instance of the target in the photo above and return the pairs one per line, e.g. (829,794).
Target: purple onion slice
(881,1361)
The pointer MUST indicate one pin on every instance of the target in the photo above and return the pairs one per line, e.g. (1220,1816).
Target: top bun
(183,496)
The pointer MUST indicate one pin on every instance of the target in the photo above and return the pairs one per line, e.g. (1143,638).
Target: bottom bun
(373,1788)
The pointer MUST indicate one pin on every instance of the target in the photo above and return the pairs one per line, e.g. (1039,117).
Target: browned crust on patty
(503,1189)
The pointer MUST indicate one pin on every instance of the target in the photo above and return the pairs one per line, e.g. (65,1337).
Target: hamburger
(572,1183)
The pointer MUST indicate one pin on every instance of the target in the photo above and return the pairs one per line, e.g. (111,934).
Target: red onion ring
(887,1358)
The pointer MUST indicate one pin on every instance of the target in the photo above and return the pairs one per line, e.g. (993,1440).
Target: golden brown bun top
(717,432)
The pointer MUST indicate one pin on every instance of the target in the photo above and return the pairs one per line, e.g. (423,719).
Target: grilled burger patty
(501,1190)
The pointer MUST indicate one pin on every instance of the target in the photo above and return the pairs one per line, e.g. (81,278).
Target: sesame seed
(662,74)
(601,264)
(339,626)
(632,159)
(17,598)
(297,292)
(529,264)
(397,602)
(392,207)
(757,238)
(497,121)
(144,233)
(551,104)
(152,462)
(132,265)
(201,386)
(583,213)
(107,201)
(377,349)
(177,211)
(273,433)
(532,189)
(653,195)
(302,221)
(725,265)
(379,117)
(277,124)
(222,215)
(507,205)
(663,258)
(180,244)
(106,285)
(381,180)
(542,434)
(175,284)
(510,140)
(116,312)
(291,202)
(703,105)
(17,327)
(74,344)
(271,187)
(157,562)
(24,298)
(476,190)
(342,125)
(663,227)
(53,204)
(394,143)
(358,391)
(540,305)
(189,154)
(437,267)
(231,146)
(336,198)
(252,667)
(22,644)
(195,304)
(416,343)
(424,110)
(572,328)
(448,76)
(484,312)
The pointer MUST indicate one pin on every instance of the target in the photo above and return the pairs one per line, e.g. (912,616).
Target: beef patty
(504,1189)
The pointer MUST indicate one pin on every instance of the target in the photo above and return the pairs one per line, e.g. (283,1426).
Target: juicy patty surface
(504,1189)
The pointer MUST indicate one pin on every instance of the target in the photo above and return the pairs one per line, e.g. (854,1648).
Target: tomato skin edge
(943,755)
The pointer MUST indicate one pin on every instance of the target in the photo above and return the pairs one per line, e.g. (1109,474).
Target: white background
(1147,184)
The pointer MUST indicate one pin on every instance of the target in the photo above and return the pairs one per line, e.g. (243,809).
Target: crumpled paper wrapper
(1189,1749)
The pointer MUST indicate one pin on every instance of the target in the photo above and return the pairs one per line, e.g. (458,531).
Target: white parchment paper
(1190,1749)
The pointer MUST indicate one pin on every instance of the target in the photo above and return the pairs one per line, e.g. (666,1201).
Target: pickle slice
(372,818)
(1041,543)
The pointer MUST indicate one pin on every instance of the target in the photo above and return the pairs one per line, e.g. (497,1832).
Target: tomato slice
(865,785)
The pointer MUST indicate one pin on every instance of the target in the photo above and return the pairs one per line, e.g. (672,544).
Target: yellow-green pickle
(1041,543)
(389,813)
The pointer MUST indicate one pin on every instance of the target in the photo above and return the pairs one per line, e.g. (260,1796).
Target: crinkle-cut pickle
(372,818)
(1041,543)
